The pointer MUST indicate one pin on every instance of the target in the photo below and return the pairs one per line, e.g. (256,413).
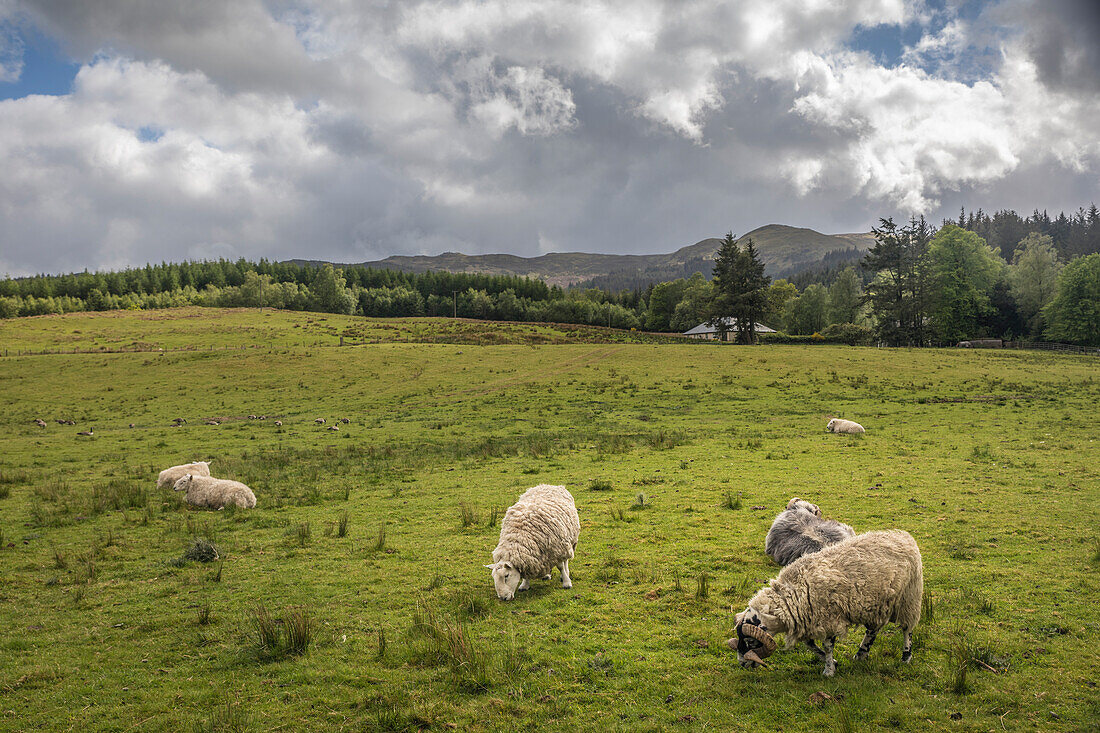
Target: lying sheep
(836,425)
(799,530)
(170,476)
(538,533)
(870,580)
(216,493)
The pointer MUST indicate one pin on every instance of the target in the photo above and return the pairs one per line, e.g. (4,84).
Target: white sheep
(799,530)
(538,533)
(170,476)
(216,493)
(836,425)
(870,580)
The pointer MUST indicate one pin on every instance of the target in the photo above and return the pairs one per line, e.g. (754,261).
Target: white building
(708,332)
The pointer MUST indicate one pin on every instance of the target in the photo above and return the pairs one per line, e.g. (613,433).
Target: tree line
(916,286)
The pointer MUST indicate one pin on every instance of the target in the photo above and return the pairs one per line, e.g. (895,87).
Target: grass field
(354,598)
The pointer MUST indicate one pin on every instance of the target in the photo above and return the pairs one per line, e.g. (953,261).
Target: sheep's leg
(524,585)
(815,649)
(565,581)
(830,663)
(865,645)
(907,650)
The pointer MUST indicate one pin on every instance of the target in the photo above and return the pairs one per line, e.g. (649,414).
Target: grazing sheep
(179,421)
(345,421)
(799,530)
(334,428)
(132,425)
(86,432)
(538,533)
(320,421)
(216,493)
(837,425)
(170,476)
(40,422)
(278,423)
(871,580)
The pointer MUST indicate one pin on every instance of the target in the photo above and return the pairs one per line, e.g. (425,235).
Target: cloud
(351,131)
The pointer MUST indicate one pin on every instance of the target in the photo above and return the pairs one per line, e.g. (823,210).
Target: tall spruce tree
(898,294)
(741,289)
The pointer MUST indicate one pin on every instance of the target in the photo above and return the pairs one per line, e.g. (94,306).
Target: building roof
(730,326)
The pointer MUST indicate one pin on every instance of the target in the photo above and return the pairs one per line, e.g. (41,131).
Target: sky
(349,130)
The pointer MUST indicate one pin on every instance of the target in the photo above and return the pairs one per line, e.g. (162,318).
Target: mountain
(783,249)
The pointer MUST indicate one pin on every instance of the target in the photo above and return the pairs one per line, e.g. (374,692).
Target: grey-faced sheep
(836,425)
(169,476)
(799,530)
(538,533)
(870,580)
(216,493)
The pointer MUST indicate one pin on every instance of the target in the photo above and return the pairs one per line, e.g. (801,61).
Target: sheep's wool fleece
(169,476)
(871,579)
(847,426)
(539,531)
(218,492)
(797,532)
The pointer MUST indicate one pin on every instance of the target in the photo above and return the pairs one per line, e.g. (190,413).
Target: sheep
(320,421)
(87,433)
(170,476)
(40,422)
(871,579)
(538,533)
(799,530)
(334,428)
(345,421)
(837,425)
(278,423)
(216,493)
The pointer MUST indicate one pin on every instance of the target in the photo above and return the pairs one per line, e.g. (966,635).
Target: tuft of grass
(436,582)
(217,578)
(641,501)
(729,501)
(303,534)
(380,650)
(468,514)
(1096,550)
(448,642)
(927,609)
(494,517)
(5,491)
(621,516)
(380,542)
(702,586)
(470,605)
(598,484)
(203,617)
(676,584)
(201,550)
(342,525)
(289,635)
(227,718)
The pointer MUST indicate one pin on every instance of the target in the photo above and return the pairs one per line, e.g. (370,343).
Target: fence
(1047,346)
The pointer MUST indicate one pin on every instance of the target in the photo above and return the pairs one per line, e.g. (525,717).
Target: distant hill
(783,249)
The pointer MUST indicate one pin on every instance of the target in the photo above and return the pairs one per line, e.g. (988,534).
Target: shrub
(848,333)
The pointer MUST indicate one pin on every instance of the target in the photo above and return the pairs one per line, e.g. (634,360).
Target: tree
(329,291)
(963,270)
(741,289)
(1033,278)
(898,294)
(662,304)
(806,313)
(844,297)
(695,306)
(1074,314)
(779,293)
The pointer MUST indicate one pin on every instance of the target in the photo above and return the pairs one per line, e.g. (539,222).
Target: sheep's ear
(492,567)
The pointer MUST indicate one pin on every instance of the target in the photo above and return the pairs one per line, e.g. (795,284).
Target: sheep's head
(796,503)
(829,427)
(753,643)
(183,484)
(506,579)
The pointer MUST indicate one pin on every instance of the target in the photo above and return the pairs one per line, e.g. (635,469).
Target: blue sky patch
(46,70)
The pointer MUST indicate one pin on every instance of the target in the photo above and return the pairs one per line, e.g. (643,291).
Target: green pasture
(354,598)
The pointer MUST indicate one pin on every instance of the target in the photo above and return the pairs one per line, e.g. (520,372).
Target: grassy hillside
(372,538)
(781,248)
